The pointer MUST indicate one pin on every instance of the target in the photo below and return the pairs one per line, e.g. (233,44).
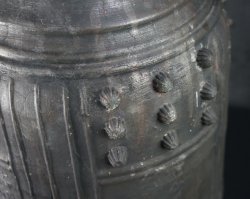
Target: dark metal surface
(113,99)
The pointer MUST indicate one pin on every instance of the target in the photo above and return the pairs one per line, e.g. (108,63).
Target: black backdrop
(237,160)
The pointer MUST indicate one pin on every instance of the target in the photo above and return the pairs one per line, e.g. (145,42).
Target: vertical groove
(6,140)
(85,113)
(18,137)
(69,135)
(42,137)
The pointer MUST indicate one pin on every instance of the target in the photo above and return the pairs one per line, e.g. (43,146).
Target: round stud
(118,156)
(208,91)
(110,98)
(167,114)
(205,58)
(162,83)
(208,116)
(115,128)
(170,140)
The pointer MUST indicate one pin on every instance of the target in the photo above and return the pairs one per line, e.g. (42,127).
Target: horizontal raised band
(113,59)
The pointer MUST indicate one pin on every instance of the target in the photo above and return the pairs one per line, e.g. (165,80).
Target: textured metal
(112,99)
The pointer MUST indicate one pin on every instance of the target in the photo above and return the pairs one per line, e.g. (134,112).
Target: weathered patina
(113,99)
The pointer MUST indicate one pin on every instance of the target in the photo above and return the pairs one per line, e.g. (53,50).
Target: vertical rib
(70,140)
(6,140)
(42,137)
(85,115)
(18,137)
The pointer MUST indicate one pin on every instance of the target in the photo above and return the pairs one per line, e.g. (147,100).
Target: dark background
(237,161)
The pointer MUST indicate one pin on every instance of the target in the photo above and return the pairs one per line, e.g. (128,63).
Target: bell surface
(113,99)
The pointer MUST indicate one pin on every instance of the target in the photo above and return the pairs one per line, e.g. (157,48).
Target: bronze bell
(112,99)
